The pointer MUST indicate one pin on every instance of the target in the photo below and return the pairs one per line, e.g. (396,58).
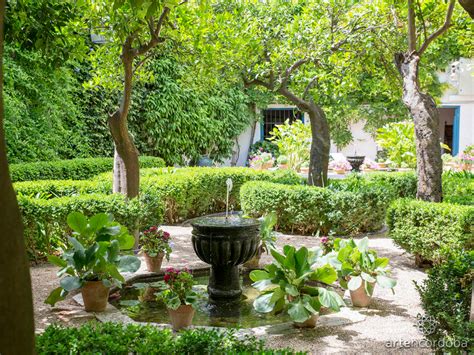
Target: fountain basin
(225,243)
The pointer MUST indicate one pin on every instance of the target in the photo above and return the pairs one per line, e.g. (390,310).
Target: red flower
(167,277)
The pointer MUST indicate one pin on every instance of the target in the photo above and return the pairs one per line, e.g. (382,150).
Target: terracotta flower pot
(309,323)
(283,166)
(153,263)
(340,171)
(382,165)
(95,296)
(304,170)
(359,297)
(267,165)
(181,317)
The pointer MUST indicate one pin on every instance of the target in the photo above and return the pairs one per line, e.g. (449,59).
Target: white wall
(460,77)
(362,143)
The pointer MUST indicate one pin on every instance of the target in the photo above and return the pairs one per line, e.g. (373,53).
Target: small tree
(310,53)
(131,30)
(16,305)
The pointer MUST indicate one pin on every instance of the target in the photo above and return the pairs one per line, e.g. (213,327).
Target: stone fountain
(225,242)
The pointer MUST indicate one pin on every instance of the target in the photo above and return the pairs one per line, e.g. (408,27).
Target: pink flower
(324,240)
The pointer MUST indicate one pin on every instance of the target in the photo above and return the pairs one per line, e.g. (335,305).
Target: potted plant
(267,239)
(369,165)
(340,166)
(261,160)
(304,168)
(179,296)
(93,264)
(289,284)
(360,269)
(282,161)
(382,164)
(155,244)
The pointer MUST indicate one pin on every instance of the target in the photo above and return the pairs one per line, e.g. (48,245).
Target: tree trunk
(320,147)
(126,166)
(16,306)
(425,116)
(468,5)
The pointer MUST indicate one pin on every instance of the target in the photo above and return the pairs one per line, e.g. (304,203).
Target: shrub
(446,296)
(430,229)
(192,192)
(458,188)
(77,169)
(307,209)
(115,338)
(45,220)
(47,189)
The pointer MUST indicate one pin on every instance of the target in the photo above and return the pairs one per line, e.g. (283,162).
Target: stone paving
(388,323)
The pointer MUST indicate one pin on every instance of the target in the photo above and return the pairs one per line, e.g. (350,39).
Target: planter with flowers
(179,297)
(261,160)
(369,165)
(155,245)
(467,159)
(340,166)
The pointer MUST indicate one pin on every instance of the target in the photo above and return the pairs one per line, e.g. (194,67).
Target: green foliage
(94,255)
(293,141)
(430,229)
(446,296)
(264,146)
(306,209)
(45,220)
(76,169)
(357,265)
(181,193)
(116,338)
(155,241)
(458,188)
(43,120)
(285,285)
(178,289)
(398,140)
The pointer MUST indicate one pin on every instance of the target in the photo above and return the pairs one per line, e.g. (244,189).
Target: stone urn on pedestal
(225,243)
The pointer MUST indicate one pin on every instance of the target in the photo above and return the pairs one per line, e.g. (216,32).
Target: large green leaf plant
(94,254)
(358,265)
(291,283)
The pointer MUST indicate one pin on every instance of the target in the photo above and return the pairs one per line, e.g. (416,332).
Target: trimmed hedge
(182,193)
(45,220)
(446,296)
(458,189)
(77,169)
(430,229)
(307,209)
(116,338)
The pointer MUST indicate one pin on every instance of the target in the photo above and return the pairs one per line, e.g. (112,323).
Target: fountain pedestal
(225,244)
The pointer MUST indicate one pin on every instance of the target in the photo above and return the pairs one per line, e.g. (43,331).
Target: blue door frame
(456,124)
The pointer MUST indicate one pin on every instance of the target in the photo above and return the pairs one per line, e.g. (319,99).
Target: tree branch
(310,85)
(411,27)
(299,102)
(154,34)
(441,30)
(291,70)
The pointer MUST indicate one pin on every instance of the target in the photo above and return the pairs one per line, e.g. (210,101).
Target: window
(276,116)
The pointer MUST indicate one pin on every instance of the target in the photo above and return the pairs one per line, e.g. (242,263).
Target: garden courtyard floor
(391,319)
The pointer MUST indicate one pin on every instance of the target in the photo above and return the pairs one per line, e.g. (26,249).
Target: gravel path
(391,318)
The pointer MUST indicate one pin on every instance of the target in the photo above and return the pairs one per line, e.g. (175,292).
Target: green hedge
(181,193)
(77,169)
(459,189)
(116,338)
(45,220)
(430,229)
(192,192)
(446,296)
(306,209)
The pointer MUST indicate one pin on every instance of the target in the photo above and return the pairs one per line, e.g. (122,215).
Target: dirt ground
(389,326)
